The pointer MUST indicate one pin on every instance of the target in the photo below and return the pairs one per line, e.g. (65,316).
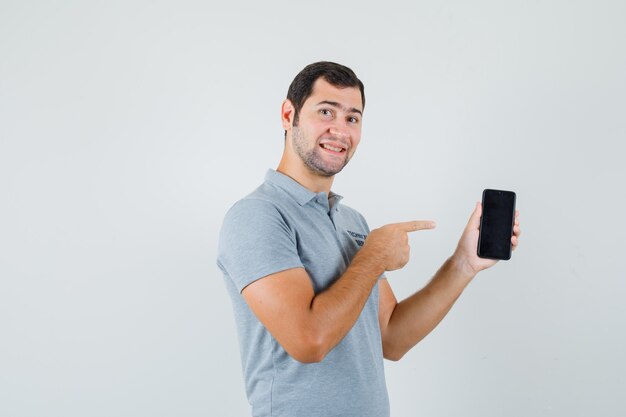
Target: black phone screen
(496,224)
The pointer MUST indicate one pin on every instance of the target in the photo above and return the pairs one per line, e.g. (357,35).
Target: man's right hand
(389,244)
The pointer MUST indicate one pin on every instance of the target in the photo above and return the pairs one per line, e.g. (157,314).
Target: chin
(329,172)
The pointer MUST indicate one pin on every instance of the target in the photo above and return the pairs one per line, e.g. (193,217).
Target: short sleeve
(255,241)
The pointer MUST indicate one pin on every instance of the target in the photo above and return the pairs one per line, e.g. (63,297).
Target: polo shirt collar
(296,190)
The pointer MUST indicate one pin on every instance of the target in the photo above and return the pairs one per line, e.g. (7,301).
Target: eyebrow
(335,104)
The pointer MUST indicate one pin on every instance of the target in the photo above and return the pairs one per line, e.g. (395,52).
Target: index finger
(415,225)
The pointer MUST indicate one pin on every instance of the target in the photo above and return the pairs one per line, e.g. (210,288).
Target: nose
(339,131)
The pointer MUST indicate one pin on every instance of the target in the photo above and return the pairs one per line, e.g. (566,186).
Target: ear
(286,114)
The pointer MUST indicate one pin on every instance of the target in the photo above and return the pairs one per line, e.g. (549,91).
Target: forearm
(334,311)
(416,316)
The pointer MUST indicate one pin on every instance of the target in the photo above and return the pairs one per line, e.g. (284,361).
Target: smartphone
(496,224)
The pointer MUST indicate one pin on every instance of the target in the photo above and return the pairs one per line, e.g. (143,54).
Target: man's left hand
(466,253)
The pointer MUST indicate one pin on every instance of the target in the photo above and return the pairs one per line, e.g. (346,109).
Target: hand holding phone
(496,224)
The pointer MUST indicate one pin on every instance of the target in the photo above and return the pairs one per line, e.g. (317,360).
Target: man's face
(329,128)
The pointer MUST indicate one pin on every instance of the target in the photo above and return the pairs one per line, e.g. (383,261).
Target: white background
(127,129)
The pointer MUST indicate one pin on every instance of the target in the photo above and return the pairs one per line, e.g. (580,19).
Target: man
(314,311)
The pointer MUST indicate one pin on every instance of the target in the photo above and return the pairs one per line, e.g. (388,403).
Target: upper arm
(255,241)
(282,302)
(386,305)
(258,252)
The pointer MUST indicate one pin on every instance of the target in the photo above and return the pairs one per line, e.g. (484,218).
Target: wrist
(365,262)
(462,267)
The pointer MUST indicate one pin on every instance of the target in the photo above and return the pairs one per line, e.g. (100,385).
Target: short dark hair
(338,75)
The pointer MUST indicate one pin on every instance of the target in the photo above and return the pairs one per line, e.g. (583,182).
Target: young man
(314,311)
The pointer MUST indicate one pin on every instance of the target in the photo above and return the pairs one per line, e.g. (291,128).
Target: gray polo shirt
(283,225)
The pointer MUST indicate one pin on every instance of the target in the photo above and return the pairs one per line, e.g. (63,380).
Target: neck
(304,176)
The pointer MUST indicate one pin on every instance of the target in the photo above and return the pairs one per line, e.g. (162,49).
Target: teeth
(332,148)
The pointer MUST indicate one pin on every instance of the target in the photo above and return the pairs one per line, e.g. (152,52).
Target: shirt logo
(358,237)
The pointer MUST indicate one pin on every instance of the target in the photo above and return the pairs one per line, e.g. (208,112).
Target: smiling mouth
(332,148)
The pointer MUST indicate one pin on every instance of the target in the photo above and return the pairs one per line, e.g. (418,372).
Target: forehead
(348,97)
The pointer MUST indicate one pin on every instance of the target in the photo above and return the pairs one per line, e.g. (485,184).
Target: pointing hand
(389,244)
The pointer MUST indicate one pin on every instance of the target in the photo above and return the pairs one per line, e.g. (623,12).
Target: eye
(326,112)
(353,120)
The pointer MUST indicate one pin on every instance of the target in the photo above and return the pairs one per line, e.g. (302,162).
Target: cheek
(356,139)
(353,149)
(317,130)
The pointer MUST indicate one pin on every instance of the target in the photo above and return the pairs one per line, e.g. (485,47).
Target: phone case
(496,224)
